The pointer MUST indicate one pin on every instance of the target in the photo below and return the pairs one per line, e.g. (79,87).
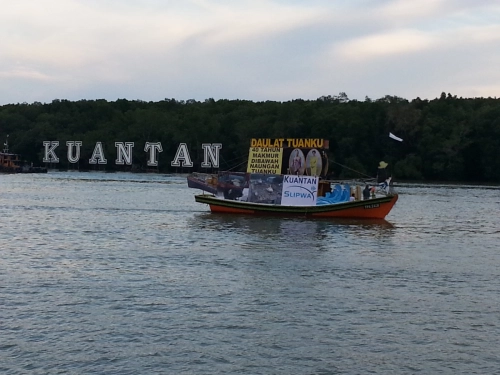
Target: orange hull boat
(376,208)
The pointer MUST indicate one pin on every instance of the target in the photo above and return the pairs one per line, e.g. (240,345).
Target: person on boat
(353,198)
(244,195)
(382,172)
(313,163)
(366,192)
(296,163)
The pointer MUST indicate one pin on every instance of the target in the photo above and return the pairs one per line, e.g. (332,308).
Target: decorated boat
(288,177)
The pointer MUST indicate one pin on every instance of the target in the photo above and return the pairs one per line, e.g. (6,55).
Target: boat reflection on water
(289,229)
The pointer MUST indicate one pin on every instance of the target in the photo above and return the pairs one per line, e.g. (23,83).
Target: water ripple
(126,274)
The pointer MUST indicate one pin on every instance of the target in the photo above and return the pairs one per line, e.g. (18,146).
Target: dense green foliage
(447,139)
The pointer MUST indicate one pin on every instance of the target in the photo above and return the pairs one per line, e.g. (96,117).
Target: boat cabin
(10,163)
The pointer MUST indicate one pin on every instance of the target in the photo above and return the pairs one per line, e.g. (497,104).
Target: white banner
(299,190)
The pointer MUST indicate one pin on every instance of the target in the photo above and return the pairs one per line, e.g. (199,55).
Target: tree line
(444,139)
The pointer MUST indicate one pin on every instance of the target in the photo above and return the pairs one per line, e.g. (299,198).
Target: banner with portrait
(293,156)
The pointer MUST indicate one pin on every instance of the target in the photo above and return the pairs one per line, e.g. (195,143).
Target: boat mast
(6,145)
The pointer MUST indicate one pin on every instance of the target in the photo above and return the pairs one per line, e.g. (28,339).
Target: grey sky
(256,50)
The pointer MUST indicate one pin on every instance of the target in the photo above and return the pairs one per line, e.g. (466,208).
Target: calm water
(126,274)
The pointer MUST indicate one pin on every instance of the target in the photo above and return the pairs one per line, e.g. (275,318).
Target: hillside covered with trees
(445,139)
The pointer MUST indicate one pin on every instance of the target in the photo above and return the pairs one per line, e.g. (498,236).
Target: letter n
(211,151)
(98,154)
(50,155)
(182,154)
(73,158)
(124,151)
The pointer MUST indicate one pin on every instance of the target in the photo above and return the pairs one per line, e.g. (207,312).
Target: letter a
(98,154)
(182,154)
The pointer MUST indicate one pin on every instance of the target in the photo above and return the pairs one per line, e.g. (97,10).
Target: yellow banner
(265,160)
(290,142)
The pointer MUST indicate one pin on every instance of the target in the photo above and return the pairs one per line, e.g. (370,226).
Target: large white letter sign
(73,158)
(121,153)
(182,154)
(152,147)
(98,154)
(50,155)
(211,151)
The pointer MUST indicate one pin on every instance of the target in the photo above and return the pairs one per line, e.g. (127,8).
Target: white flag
(396,138)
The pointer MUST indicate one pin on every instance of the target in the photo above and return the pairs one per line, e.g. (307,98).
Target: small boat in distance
(289,181)
(12,163)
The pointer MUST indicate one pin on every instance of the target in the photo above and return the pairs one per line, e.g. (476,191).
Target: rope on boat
(353,170)
(235,166)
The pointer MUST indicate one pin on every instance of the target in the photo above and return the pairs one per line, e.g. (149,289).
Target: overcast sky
(254,50)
